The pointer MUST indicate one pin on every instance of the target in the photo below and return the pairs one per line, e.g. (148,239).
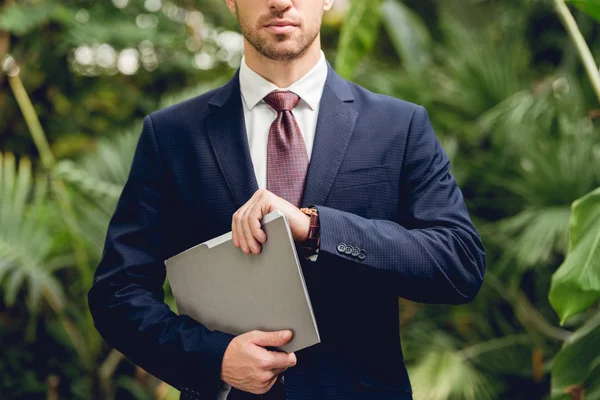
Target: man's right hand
(248,366)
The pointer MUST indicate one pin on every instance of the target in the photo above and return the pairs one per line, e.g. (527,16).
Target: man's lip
(281,29)
(281,23)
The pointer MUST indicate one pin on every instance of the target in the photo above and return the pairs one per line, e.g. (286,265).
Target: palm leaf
(95,182)
(408,34)
(26,238)
(551,175)
(557,106)
(442,372)
(358,35)
(534,235)
(474,80)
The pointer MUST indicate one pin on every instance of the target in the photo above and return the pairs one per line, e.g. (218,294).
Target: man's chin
(281,54)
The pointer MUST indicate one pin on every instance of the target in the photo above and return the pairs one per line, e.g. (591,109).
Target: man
(381,217)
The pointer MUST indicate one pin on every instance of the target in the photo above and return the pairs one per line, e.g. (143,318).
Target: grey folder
(224,289)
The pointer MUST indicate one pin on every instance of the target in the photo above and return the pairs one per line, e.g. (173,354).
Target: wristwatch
(311,245)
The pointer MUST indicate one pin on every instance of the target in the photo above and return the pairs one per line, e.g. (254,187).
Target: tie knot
(281,100)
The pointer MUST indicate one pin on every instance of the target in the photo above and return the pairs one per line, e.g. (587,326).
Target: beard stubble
(270,49)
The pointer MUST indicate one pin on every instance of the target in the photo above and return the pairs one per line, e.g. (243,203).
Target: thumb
(277,338)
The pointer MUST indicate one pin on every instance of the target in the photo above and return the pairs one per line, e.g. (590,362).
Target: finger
(281,360)
(261,208)
(279,371)
(267,377)
(271,382)
(252,245)
(240,231)
(256,228)
(254,217)
(263,386)
(234,234)
(243,212)
(251,241)
(272,202)
(275,360)
(277,338)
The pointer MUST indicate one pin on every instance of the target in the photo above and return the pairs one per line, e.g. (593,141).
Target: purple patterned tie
(287,160)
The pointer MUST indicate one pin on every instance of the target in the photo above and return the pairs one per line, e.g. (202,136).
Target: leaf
(473,81)
(576,283)
(13,285)
(577,365)
(408,33)
(590,7)
(20,19)
(447,375)
(26,238)
(357,35)
(95,182)
(538,232)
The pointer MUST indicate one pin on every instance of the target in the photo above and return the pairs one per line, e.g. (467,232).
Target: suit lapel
(335,125)
(227,134)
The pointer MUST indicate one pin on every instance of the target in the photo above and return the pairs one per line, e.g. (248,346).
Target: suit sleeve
(127,298)
(432,254)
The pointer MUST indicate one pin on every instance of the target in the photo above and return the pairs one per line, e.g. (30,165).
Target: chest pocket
(365,192)
(361,177)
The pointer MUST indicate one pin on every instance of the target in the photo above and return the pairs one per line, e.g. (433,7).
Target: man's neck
(282,73)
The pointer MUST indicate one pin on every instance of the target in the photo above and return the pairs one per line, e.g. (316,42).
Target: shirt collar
(310,87)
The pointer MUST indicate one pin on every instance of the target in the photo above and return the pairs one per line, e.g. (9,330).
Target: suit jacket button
(355,252)
(362,255)
(341,248)
(349,249)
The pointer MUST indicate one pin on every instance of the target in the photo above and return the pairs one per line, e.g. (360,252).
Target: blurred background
(512,89)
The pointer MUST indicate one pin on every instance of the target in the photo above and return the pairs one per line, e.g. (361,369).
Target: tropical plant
(540,153)
(505,96)
(95,183)
(29,256)
(29,259)
(92,65)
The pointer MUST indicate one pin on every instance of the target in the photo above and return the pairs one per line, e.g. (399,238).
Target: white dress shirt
(259,115)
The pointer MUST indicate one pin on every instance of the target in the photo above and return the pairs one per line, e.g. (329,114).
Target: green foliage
(441,371)
(96,181)
(508,102)
(475,81)
(557,108)
(591,7)
(549,177)
(26,240)
(409,35)
(21,19)
(576,368)
(125,30)
(358,35)
(444,374)
(69,52)
(576,284)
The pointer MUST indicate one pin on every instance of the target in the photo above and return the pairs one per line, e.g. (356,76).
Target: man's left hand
(245,225)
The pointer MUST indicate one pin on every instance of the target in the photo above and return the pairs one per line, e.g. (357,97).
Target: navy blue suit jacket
(381,183)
